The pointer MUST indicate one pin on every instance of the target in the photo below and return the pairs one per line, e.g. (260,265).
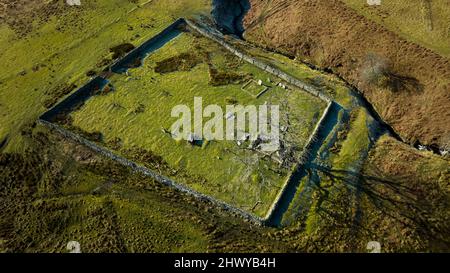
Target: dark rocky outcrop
(229,14)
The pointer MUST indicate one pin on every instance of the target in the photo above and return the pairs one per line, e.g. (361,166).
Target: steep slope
(425,22)
(407,84)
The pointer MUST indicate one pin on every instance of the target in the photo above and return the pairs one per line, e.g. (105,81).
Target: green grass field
(63,49)
(321,185)
(53,190)
(135,113)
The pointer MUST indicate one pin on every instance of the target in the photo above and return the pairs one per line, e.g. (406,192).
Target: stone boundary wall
(45,119)
(78,97)
(218,37)
(302,161)
(148,46)
(147,172)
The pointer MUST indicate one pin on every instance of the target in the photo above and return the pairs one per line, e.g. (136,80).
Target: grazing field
(358,184)
(46,50)
(134,118)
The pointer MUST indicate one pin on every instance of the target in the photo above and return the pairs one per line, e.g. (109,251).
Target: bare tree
(375,68)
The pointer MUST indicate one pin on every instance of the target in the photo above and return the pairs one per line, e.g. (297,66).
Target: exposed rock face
(228,15)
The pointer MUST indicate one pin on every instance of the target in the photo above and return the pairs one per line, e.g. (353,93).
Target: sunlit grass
(235,175)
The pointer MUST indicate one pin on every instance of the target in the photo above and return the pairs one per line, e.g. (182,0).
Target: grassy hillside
(410,89)
(425,22)
(358,189)
(72,41)
(59,191)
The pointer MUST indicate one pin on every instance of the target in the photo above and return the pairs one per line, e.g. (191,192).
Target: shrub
(218,78)
(120,50)
(182,62)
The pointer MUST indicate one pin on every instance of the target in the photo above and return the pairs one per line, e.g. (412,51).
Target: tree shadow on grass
(391,197)
(399,83)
